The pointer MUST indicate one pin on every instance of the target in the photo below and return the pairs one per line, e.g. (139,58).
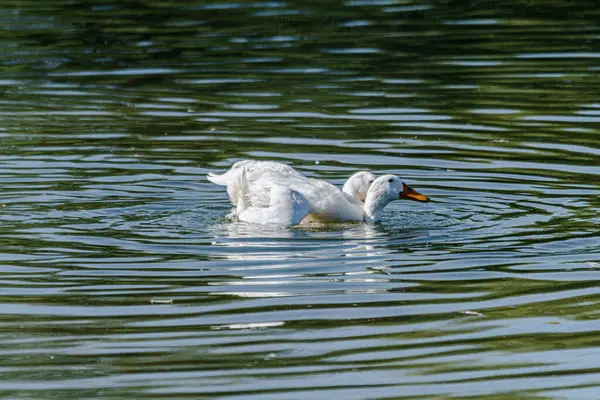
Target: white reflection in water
(348,254)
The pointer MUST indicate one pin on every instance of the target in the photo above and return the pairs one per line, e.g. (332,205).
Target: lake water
(122,278)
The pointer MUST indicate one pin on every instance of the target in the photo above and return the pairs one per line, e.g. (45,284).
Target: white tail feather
(216,179)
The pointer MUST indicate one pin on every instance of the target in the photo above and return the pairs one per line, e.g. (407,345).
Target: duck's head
(387,188)
(358,185)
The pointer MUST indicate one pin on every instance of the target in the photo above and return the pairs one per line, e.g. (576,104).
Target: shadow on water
(121,276)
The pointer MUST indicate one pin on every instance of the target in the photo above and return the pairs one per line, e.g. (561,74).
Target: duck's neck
(374,207)
(353,198)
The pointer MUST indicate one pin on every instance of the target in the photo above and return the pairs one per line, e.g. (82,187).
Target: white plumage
(267,192)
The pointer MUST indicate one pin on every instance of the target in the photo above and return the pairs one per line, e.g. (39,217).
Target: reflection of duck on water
(267,192)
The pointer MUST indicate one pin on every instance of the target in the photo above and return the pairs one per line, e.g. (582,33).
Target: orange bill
(409,193)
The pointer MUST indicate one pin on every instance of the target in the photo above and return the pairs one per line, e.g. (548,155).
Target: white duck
(272,193)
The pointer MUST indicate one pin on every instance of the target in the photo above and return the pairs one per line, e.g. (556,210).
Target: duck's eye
(391,180)
(371,181)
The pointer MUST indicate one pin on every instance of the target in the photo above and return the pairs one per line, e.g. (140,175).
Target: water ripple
(122,276)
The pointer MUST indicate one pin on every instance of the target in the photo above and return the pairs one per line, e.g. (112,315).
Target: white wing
(268,203)
(245,173)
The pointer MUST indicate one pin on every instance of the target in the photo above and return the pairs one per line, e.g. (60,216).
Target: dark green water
(121,278)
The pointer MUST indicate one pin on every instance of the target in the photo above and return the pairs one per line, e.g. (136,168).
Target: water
(122,278)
